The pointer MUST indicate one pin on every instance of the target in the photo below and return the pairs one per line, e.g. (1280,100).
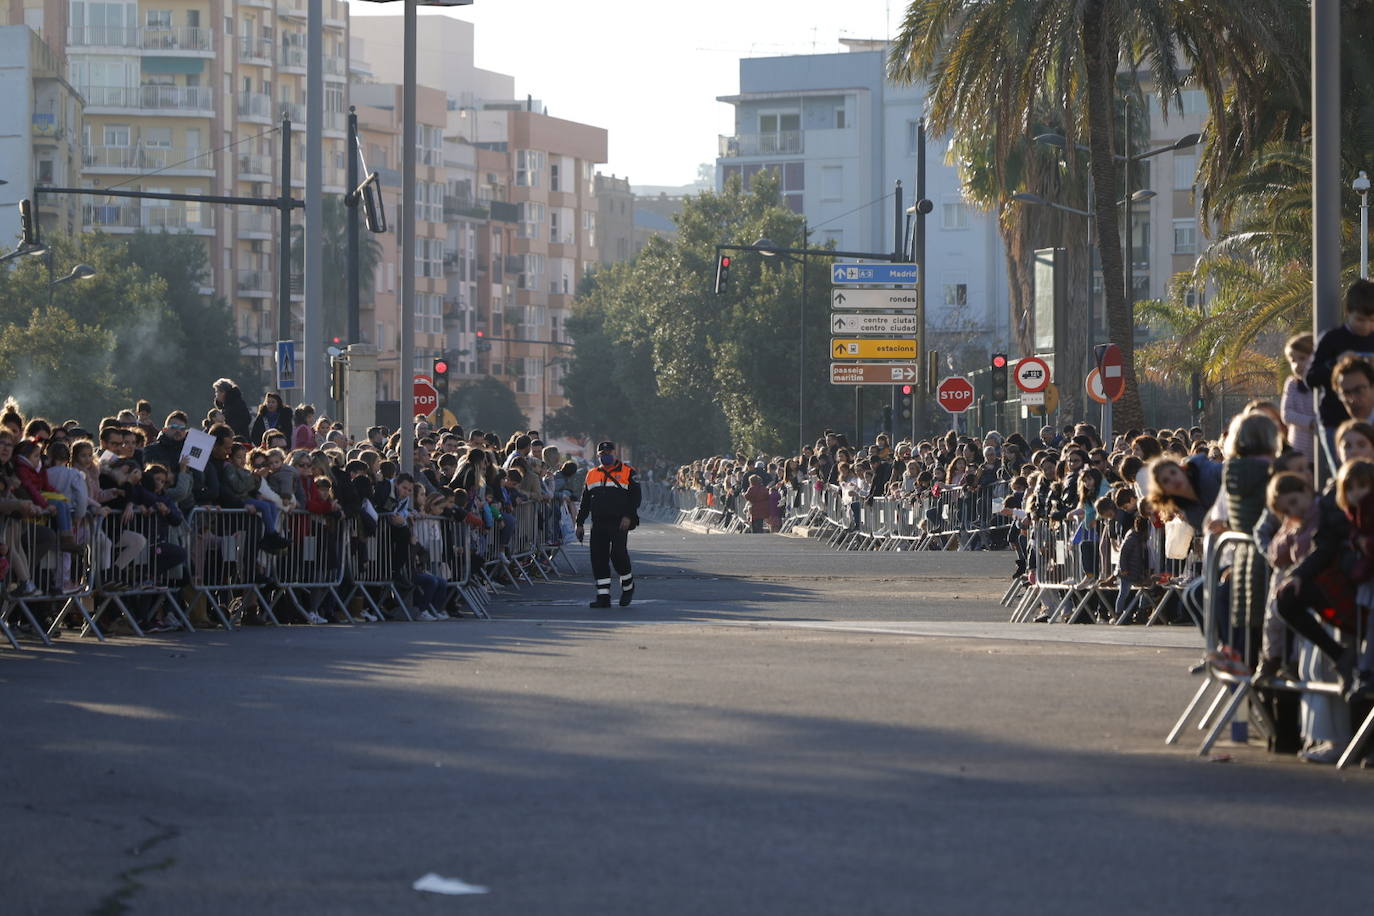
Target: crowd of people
(110,505)
(1295,597)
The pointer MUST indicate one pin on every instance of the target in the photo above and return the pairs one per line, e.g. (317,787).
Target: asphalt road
(774,729)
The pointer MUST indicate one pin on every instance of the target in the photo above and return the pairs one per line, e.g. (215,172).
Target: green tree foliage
(664,362)
(487,404)
(165,341)
(58,369)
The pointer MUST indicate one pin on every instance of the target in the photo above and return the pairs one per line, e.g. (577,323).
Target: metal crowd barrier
(1232,689)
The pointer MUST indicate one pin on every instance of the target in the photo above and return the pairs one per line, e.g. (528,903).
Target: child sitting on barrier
(1306,554)
(1355,495)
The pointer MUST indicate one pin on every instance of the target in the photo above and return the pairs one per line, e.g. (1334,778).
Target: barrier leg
(1242,691)
(29,615)
(1182,722)
(1212,710)
(5,627)
(1357,743)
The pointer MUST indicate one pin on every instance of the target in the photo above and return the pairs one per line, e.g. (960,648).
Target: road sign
(888,348)
(843,323)
(426,399)
(872,373)
(1047,403)
(1032,374)
(1094,385)
(955,394)
(877,273)
(874,299)
(1034,399)
(286,364)
(1111,363)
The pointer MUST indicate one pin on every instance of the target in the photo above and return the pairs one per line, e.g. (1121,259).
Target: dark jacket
(605,498)
(281,421)
(236,412)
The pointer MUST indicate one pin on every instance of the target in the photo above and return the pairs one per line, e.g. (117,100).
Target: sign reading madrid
(877,274)
(874,299)
(873,348)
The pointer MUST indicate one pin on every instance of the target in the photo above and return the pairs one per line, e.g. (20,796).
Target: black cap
(607,446)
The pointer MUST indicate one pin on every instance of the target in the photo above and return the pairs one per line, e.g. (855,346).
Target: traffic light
(999,376)
(28,227)
(905,401)
(1199,405)
(722,274)
(483,345)
(338,379)
(441,378)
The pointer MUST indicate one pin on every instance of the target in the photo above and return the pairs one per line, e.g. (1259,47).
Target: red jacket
(34,481)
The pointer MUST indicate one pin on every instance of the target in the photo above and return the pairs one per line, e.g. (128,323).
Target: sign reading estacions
(873,348)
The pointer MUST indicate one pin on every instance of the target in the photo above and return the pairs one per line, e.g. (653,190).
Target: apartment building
(379,132)
(40,129)
(839,135)
(186,96)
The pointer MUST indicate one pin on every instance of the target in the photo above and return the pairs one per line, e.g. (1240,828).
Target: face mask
(607,460)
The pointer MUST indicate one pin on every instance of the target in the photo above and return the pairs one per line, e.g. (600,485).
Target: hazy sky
(649,71)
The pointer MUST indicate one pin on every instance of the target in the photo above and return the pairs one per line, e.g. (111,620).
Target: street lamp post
(1361,186)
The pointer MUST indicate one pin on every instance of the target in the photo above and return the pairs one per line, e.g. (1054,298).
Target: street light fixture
(1361,186)
(79,272)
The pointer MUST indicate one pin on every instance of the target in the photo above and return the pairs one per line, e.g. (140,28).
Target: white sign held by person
(196,449)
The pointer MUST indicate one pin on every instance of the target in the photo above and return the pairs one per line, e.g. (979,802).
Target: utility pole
(408,136)
(922,208)
(354,243)
(312,342)
(284,323)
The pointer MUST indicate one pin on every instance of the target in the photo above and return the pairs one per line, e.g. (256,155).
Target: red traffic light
(999,361)
(725,260)
(338,340)
(440,367)
(906,389)
(481,333)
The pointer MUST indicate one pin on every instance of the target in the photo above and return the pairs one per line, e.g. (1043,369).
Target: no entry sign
(1032,374)
(1111,365)
(955,394)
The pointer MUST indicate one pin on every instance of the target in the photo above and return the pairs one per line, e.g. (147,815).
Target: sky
(649,71)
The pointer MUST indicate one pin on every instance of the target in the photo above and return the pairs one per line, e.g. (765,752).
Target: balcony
(335,14)
(255,284)
(257,51)
(178,42)
(291,9)
(102,37)
(335,122)
(336,68)
(177,101)
(260,4)
(294,111)
(293,59)
(121,218)
(787,142)
(254,168)
(256,107)
(130,160)
(257,223)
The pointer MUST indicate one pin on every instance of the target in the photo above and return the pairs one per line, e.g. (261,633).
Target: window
(913,137)
(1185,236)
(117,135)
(1185,171)
(954,214)
(956,295)
(159,19)
(157,137)
(839,118)
(589,228)
(832,182)
(531,219)
(833,235)
(553,177)
(45,171)
(528,164)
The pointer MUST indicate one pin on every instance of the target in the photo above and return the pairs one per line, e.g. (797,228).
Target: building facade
(839,136)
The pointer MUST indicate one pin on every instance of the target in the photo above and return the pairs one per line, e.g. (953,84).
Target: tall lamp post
(1361,186)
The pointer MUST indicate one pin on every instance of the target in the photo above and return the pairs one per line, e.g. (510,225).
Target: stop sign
(1111,365)
(426,398)
(955,394)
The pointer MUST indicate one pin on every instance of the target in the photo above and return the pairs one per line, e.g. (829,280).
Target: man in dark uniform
(611,497)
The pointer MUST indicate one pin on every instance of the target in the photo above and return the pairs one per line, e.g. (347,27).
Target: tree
(487,404)
(974,51)
(56,368)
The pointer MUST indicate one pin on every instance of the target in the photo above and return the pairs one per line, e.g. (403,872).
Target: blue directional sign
(877,274)
(286,364)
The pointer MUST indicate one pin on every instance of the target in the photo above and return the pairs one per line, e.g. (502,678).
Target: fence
(149,569)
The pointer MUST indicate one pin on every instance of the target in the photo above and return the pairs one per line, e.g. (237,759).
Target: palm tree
(988,61)
(336,264)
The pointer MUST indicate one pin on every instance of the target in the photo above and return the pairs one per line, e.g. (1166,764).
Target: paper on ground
(437,884)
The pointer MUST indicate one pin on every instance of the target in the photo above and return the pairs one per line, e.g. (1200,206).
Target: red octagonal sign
(955,394)
(426,399)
